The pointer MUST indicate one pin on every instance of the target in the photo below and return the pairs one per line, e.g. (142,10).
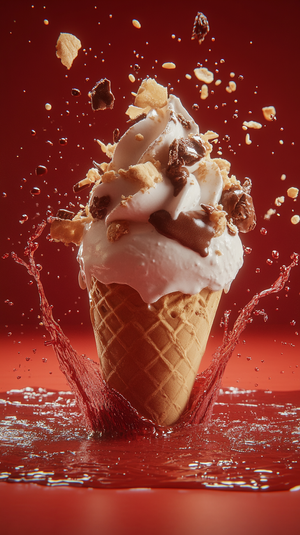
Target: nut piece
(269,113)
(293,193)
(204,75)
(116,230)
(145,174)
(252,124)
(152,94)
(67,47)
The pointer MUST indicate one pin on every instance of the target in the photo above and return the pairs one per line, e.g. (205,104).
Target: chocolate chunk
(183,151)
(239,206)
(200,28)
(99,206)
(98,167)
(139,118)
(190,229)
(64,214)
(186,124)
(116,135)
(101,95)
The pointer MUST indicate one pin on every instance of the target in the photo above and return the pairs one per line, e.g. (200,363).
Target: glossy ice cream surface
(156,220)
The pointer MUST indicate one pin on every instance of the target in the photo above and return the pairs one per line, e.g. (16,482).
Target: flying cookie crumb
(293,193)
(204,75)
(269,113)
(67,48)
(116,230)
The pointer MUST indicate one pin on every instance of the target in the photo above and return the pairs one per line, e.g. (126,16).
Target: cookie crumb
(269,113)
(116,230)
(295,219)
(204,75)
(293,193)
(67,48)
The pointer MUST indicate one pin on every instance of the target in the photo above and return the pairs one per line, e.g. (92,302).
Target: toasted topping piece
(67,47)
(204,75)
(108,176)
(152,94)
(101,95)
(269,213)
(252,124)
(91,177)
(186,124)
(295,219)
(108,149)
(136,24)
(136,114)
(217,217)
(269,113)
(200,28)
(66,231)
(293,193)
(116,230)
(204,92)
(168,65)
(279,200)
(146,174)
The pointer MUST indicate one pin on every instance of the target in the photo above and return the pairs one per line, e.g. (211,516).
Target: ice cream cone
(151,353)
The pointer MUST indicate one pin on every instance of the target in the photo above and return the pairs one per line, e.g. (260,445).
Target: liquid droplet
(41,170)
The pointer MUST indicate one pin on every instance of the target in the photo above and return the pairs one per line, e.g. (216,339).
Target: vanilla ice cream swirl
(158,224)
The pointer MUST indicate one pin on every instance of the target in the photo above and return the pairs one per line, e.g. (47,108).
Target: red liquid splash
(105,411)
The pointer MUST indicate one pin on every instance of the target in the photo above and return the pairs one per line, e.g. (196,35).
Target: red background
(258,40)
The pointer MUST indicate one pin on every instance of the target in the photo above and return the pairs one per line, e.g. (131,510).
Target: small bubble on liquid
(247,250)
(35,191)
(257,270)
(269,261)
(249,358)
(33,132)
(293,322)
(63,140)
(41,170)
(256,369)
(4,256)
(44,359)
(4,194)
(23,219)
(263,231)
(275,254)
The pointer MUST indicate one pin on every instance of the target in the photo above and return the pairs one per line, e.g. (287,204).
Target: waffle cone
(151,353)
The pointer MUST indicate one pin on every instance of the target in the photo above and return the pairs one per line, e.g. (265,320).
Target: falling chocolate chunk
(99,206)
(101,95)
(64,214)
(183,151)
(116,135)
(190,229)
(200,28)
(239,206)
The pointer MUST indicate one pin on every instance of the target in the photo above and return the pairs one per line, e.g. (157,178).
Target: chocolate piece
(139,118)
(116,135)
(99,206)
(239,206)
(98,167)
(186,124)
(183,151)
(190,229)
(64,214)
(101,95)
(200,28)
(83,184)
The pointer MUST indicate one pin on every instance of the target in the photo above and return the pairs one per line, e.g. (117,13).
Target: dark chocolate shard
(98,209)
(200,28)
(101,95)
(64,214)
(191,229)
(238,204)
(183,151)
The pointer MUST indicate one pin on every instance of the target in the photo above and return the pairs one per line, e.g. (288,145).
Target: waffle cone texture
(151,353)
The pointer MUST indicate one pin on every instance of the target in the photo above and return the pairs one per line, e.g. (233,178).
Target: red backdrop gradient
(258,40)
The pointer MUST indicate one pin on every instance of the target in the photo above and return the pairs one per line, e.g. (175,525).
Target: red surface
(145,511)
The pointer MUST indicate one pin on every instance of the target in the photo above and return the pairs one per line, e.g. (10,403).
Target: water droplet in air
(41,170)
(23,219)
(275,254)
(263,231)
(35,191)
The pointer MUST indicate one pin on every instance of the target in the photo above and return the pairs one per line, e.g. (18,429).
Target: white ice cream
(143,258)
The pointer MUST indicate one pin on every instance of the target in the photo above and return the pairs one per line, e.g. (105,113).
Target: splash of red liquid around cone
(107,412)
